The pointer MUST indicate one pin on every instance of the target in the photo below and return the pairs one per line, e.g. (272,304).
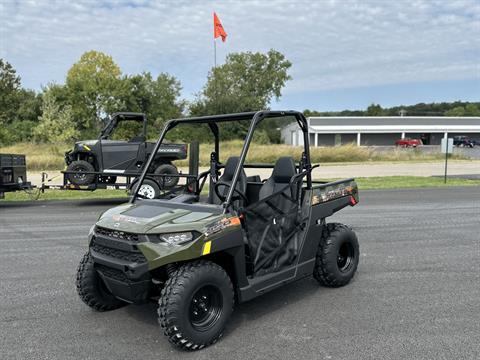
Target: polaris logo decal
(124,218)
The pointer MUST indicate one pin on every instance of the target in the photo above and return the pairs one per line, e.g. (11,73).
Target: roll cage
(255,119)
(123,116)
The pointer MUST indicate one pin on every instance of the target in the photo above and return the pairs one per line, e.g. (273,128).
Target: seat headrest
(284,170)
(230,167)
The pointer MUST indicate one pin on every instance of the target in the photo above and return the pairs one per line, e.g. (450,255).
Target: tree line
(95,87)
(455,108)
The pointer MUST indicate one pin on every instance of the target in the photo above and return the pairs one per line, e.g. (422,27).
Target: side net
(274,228)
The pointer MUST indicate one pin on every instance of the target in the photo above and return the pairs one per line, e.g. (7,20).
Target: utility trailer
(13,174)
(156,186)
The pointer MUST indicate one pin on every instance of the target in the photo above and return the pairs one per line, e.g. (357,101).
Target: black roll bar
(256,118)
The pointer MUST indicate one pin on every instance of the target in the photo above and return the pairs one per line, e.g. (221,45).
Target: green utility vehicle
(198,254)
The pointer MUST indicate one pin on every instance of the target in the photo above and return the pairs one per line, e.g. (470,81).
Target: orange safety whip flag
(218,29)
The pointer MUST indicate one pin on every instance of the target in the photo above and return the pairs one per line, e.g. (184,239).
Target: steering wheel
(228,185)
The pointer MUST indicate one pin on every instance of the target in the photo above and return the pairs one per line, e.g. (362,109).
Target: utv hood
(161,217)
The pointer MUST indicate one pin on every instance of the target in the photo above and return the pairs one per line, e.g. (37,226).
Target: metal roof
(392,120)
(392,124)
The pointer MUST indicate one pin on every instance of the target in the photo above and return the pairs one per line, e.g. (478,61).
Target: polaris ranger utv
(197,255)
(104,159)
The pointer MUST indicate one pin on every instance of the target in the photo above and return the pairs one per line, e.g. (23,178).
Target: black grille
(119,254)
(115,234)
(113,273)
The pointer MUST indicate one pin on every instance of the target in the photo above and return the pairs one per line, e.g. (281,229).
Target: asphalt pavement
(415,296)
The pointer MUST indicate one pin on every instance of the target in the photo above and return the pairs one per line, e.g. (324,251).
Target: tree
(456,111)
(375,110)
(93,84)
(472,110)
(246,82)
(56,123)
(158,98)
(29,105)
(9,88)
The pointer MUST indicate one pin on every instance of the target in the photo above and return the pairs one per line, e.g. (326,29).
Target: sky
(346,54)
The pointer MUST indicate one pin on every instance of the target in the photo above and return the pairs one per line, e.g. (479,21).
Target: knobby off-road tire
(92,290)
(195,305)
(80,166)
(166,182)
(337,256)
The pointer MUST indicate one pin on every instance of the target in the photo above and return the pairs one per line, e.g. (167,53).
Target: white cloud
(332,44)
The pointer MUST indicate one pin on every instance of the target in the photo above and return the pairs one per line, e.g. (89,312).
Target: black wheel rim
(345,257)
(79,176)
(205,308)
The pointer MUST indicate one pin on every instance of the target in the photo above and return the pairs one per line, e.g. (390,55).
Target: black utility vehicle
(198,255)
(463,141)
(122,150)
(13,173)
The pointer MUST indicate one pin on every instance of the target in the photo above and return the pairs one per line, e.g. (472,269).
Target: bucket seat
(283,172)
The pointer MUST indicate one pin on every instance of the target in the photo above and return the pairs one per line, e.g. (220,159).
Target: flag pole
(214,64)
(214,53)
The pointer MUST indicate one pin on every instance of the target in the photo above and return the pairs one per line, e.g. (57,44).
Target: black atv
(110,156)
(199,254)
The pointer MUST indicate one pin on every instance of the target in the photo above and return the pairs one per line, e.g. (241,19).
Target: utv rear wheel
(337,256)
(166,182)
(195,305)
(91,288)
(80,167)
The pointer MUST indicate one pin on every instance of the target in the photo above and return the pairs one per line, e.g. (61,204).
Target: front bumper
(122,267)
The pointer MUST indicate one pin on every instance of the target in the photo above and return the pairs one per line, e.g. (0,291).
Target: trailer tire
(91,288)
(149,189)
(195,305)
(337,256)
(166,182)
(80,166)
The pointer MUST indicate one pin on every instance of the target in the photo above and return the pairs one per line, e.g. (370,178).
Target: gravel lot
(415,296)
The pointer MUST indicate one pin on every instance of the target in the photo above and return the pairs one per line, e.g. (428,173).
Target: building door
(338,139)
(425,139)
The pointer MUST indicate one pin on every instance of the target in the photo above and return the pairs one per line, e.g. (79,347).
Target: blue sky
(345,54)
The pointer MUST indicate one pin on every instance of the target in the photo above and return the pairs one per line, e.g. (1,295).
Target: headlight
(177,238)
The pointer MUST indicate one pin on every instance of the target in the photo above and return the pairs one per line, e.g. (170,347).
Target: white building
(380,130)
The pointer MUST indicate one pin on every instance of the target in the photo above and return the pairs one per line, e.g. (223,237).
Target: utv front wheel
(337,256)
(195,305)
(79,168)
(166,182)
(91,288)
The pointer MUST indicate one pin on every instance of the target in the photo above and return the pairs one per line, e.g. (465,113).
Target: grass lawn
(402,182)
(370,183)
(66,195)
